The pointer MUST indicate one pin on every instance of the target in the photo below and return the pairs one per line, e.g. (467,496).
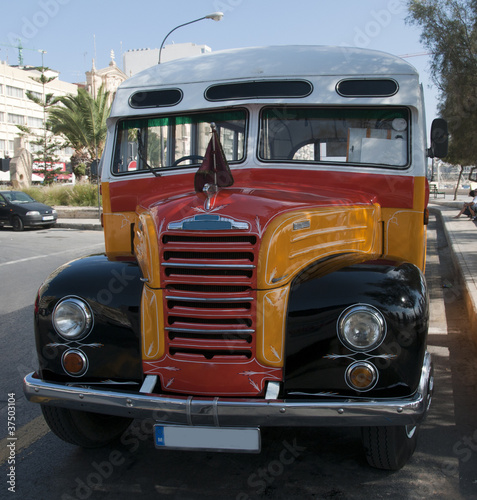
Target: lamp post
(215,16)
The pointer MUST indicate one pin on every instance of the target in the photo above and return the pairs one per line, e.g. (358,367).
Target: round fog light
(74,362)
(361,376)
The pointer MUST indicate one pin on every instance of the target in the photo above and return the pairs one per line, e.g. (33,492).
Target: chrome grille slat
(209,299)
(197,265)
(205,331)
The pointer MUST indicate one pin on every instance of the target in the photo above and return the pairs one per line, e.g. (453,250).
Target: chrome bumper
(227,412)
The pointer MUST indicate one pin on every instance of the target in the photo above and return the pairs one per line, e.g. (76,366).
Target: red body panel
(226,378)
(293,185)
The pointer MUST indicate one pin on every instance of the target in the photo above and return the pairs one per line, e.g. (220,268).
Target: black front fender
(316,359)
(113,291)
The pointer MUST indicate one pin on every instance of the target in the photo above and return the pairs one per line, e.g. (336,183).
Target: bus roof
(270,62)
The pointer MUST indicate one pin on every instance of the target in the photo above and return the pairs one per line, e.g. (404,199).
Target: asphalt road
(294,463)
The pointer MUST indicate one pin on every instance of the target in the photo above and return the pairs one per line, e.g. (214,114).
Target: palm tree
(81,119)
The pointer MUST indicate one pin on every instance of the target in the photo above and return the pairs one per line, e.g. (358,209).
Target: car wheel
(389,447)
(81,428)
(17,223)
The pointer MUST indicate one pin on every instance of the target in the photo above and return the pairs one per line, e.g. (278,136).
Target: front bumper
(227,412)
(38,220)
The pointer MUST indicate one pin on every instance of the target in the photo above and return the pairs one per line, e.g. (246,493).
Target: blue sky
(73,32)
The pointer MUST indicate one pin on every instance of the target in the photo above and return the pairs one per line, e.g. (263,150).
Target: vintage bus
(264,214)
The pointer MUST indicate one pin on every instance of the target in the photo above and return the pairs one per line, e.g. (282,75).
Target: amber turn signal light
(74,362)
(361,376)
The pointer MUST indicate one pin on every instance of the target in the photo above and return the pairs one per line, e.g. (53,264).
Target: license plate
(207,438)
(48,217)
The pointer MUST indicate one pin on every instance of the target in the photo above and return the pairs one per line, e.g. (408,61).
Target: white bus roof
(322,66)
(271,62)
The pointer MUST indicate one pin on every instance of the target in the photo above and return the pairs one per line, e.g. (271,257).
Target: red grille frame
(209,300)
(209,283)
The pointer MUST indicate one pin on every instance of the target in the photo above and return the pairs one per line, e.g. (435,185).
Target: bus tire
(389,448)
(85,429)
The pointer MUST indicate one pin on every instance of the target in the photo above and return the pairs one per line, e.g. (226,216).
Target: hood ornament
(210,190)
(214,173)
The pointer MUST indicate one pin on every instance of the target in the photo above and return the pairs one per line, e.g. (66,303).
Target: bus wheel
(389,447)
(81,428)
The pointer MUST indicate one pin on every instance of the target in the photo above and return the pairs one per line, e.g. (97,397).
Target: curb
(67,212)
(464,275)
(80,226)
(79,218)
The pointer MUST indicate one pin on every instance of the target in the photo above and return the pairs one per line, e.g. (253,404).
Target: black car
(18,209)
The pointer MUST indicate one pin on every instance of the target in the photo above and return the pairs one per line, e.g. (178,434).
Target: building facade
(17,109)
(138,60)
(16,81)
(109,78)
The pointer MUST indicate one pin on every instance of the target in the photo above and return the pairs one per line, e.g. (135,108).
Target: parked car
(18,209)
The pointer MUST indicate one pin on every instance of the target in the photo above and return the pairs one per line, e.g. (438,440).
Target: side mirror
(439,139)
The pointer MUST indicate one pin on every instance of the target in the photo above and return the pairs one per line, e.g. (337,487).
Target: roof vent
(367,88)
(268,89)
(155,98)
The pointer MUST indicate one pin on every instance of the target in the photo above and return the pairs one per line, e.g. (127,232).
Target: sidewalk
(80,218)
(461,235)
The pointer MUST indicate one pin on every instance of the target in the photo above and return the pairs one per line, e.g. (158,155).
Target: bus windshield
(335,135)
(176,141)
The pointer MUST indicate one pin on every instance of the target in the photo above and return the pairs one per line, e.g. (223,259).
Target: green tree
(46,142)
(449,31)
(81,119)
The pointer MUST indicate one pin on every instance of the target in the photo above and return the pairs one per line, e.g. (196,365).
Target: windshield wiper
(142,156)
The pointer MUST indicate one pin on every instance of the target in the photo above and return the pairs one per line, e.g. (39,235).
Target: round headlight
(72,318)
(361,327)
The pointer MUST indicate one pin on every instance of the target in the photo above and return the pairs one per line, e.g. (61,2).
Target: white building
(109,78)
(17,109)
(137,60)
(15,81)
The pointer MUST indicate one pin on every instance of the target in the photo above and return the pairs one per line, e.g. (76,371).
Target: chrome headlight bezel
(72,318)
(367,317)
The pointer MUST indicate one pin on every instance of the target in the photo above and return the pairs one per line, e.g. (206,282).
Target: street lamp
(216,16)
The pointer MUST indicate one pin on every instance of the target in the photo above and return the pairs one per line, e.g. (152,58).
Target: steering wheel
(184,158)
